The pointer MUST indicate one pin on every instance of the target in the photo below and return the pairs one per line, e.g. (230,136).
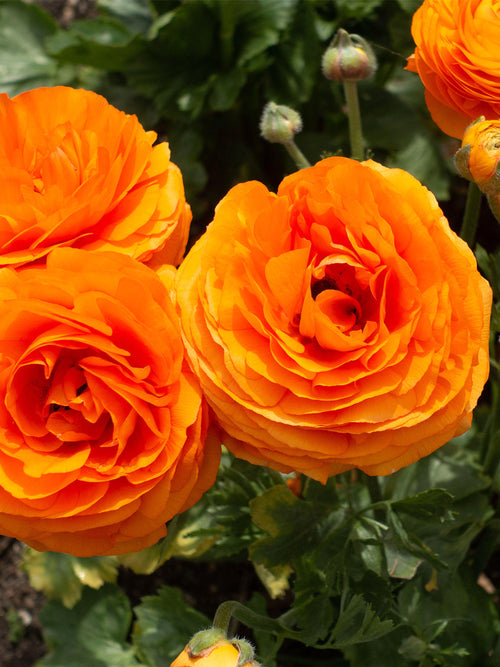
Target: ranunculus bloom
(480,153)
(76,171)
(456,56)
(338,324)
(222,655)
(101,421)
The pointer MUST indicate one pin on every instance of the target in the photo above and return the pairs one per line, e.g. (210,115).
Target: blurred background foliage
(380,576)
(201,71)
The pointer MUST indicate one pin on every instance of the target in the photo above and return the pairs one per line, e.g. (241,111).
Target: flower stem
(354,115)
(223,615)
(490,448)
(471,214)
(297,155)
(250,618)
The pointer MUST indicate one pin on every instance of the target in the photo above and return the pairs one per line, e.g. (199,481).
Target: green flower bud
(348,58)
(279,124)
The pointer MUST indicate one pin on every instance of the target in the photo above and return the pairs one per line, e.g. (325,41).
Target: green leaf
(358,623)
(401,564)
(431,504)
(63,577)
(93,633)
(459,613)
(381,110)
(293,525)
(136,15)
(259,25)
(294,71)
(178,66)
(421,158)
(411,543)
(356,9)
(450,469)
(226,89)
(165,623)
(103,43)
(24,63)
(410,6)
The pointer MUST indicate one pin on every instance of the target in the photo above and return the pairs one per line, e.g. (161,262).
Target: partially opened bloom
(102,424)
(456,56)
(222,654)
(77,171)
(479,156)
(338,324)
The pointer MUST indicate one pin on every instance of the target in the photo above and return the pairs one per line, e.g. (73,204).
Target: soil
(21,642)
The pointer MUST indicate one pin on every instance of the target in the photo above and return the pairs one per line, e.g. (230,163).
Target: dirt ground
(21,642)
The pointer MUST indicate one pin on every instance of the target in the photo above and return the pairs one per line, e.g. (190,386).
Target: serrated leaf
(24,63)
(291,523)
(411,542)
(431,504)
(93,633)
(165,623)
(62,577)
(358,623)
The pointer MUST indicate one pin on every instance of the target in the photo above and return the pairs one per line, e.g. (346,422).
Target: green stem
(223,615)
(250,618)
(494,202)
(376,497)
(490,454)
(228,24)
(297,155)
(374,489)
(471,214)
(354,115)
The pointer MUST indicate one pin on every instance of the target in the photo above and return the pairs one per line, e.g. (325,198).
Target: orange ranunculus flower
(456,56)
(220,655)
(76,171)
(479,156)
(338,324)
(101,421)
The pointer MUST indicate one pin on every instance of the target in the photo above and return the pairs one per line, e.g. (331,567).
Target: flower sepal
(203,642)
(210,648)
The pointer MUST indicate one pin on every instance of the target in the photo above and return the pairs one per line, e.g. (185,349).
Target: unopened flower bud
(210,648)
(279,124)
(348,58)
(479,157)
